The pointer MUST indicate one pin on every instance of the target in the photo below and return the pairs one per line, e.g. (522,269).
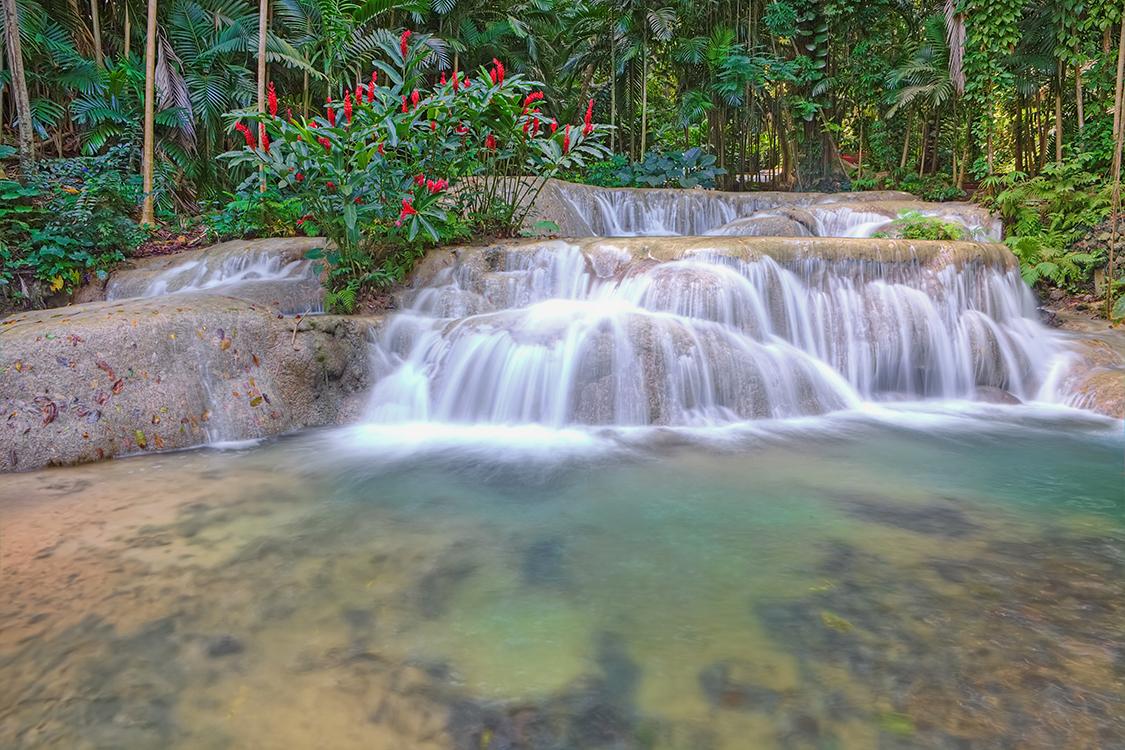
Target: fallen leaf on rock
(140,438)
(104,367)
(118,387)
(224,344)
(101,397)
(158,441)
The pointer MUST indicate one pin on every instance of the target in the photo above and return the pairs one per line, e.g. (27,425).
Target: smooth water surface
(884,578)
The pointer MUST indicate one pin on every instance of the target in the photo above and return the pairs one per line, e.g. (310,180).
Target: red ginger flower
(299,177)
(404,41)
(419,179)
(265,139)
(247,134)
(498,71)
(490,142)
(588,120)
(381,149)
(404,108)
(348,107)
(415,97)
(465,84)
(455,80)
(271,98)
(534,96)
(554,127)
(329,112)
(566,139)
(407,209)
(330,185)
(443,78)
(359,91)
(433,124)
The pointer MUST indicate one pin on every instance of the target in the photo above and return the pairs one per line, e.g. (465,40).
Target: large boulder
(1096,379)
(110,378)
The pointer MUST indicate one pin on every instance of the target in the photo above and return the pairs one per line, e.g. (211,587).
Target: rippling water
(890,578)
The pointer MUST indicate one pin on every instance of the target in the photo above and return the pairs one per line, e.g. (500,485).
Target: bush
(390,168)
(687,169)
(251,213)
(70,222)
(914,226)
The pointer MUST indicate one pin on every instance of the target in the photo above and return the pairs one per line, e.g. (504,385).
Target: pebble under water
(955,579)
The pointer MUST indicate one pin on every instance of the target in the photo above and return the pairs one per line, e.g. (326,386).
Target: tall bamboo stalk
(1119,141)
(20,97)
(147,212)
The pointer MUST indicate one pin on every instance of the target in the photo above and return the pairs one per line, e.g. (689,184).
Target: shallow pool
(891,578)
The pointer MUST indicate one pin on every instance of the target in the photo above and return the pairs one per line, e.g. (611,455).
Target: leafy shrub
(602,173)
(931,187)
(912,225)
(251,213)
(401,162)
(1050,218)
(69,222)
(687,169)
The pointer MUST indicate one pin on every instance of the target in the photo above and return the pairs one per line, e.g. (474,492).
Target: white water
(557,336)
(608,212)
(210,273)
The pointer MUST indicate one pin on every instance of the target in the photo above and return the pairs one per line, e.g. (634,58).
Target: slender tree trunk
(149,152)
(97,32)
(1058,118)
(923,144)
(1042,116)
(263,14)
(127,31)
(644,100)
(859,167)
(1118,143)
(612,92)
(1078,96)
(906,142)
(1017,124)
(20,99)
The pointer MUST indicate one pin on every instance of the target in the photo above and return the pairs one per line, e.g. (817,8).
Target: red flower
(566,139)
(525,125)
(404,40)
(465,85)
(433,124)
(265,139)
(407,209)
(554,127)
(330,185)
(534,96)
(490,142)
(535,127)
(371,86)
(348,107)
(271,97)
(289,114)
(359,91)
(414,97)
(588,121)
(454,80)
(461,129)
(443,78)
(436,186)
(358,200)
(419,179)
(497,74)
(249,136)
(329,112)
(404,109)
(492,75)
(326,143)
(381,151)
(299,177)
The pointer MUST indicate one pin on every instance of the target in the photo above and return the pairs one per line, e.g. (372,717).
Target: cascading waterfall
(206,273)
(607,212)
(603,332)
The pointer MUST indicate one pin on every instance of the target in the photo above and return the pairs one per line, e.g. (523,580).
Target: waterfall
(702,331)
(624,212)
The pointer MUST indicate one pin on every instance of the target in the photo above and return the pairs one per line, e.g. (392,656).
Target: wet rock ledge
(105,379)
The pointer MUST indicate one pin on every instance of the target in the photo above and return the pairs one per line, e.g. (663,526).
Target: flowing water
(700,493)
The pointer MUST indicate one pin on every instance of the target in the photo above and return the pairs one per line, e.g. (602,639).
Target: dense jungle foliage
(1014,103)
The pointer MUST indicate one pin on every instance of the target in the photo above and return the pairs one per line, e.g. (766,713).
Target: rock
(993,395)
(1096,379)
(104,379)
(224,645)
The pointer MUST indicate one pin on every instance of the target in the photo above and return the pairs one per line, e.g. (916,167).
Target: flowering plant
(410,153)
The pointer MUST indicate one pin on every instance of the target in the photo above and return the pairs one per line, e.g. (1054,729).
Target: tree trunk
(263,13)
(149,152)
(97,32)
(906,142)
(1058,118)
(1078,96)
(20,98)
(644,101)
(1118,143)
(128,32)
(1017,124)
(612,92)
(924,144)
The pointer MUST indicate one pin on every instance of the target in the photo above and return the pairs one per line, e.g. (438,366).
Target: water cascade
(606,212)
(702,331)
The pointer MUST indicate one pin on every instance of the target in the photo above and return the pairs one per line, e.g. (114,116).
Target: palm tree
(19,87)
(147,214)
